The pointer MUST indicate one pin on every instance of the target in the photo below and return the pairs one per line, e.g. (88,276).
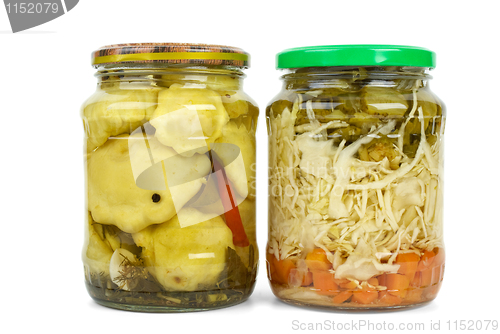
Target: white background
(45,75)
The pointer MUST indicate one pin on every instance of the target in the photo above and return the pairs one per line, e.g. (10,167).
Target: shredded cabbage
(362,212)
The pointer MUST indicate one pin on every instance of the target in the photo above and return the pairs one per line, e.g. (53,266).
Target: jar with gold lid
(170,178)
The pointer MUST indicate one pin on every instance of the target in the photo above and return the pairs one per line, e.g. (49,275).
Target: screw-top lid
(172,53)
(356,55)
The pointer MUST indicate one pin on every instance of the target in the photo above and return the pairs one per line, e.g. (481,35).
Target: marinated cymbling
(355,206)
(136,251)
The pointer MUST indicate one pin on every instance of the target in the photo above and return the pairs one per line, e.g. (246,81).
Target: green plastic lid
(356,55)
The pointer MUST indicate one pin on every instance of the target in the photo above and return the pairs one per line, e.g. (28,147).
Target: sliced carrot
(364,296)
(341,280)
(382,280)
(351,285)
(408,264)
(426,277)
(414,295)
(417,280)
(324,283)
(388,299)
(342,297)
(282,270)
(426,260)
(317,260)
(308,279)
(373,281)
(397,284)
(429,275)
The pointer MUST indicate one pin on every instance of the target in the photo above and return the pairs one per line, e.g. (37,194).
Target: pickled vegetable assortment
(170,154)
(355,187)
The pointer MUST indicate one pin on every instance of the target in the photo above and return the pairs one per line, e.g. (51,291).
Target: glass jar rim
(326,73)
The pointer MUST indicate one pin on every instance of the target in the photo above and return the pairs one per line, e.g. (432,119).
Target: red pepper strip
(232,214)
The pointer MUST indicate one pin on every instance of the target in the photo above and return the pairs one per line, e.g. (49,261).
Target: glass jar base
(161,309)
(165,302)
(351,307)
(307,297)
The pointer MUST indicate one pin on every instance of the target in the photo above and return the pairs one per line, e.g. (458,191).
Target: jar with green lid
(170,178)
(356,178)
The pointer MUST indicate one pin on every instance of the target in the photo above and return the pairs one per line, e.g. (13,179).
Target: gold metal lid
(171,53)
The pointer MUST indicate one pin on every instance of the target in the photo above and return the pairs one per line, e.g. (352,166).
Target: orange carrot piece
(417,280)
(342,297)
(373,281)
(426,260)
(397,284)
(431,267)
(382,280)
(317,260)
(414,295)
(388,299)
(408,264)
(426,277)
(364,296)
(324,283)
(282,270)
(341,281)
(308,279)
(351,285)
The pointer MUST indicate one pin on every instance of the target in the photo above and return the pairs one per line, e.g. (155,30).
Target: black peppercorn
(156,198)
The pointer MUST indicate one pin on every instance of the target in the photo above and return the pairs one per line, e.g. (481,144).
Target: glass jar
(355,178)
(170,178)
